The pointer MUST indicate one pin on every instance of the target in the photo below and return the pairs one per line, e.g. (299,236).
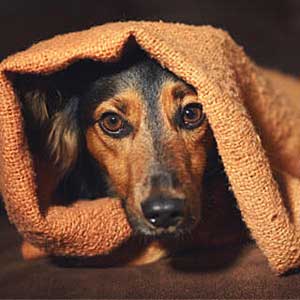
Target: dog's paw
(30,252)
(154,252)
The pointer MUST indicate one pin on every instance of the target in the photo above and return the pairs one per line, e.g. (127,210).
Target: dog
(129,129)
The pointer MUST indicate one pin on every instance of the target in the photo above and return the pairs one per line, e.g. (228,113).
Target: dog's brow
(181,90)
(119,104)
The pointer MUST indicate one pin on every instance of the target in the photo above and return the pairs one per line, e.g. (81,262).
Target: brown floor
(227,273)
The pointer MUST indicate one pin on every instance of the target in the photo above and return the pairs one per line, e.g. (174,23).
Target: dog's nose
(163,211)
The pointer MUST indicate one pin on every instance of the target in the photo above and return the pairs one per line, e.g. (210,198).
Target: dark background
(268,30)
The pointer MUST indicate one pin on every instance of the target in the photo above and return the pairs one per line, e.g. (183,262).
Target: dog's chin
(141,227)
(173,232)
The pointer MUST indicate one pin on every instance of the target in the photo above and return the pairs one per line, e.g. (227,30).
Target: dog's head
(145,129)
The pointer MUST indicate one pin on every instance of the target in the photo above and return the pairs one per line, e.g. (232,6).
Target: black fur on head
(57,110)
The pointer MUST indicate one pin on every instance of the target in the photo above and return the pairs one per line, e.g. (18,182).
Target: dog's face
(146,130)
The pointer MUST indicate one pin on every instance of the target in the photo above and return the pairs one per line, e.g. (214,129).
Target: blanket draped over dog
(254,115)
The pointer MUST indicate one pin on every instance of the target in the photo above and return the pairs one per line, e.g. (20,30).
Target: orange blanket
(254,114)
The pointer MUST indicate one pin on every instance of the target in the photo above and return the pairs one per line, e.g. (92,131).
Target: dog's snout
(163,180)
(163,211)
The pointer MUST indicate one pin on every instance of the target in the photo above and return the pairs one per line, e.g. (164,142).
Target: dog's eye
(112,122)
(191,116)
(114,125)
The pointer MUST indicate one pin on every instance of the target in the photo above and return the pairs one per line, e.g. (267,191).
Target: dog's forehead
(145,76)
(148,78)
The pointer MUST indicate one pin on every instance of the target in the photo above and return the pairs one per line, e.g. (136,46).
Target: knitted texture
(254,115)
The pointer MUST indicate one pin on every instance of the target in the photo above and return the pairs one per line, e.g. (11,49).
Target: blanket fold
(254,115)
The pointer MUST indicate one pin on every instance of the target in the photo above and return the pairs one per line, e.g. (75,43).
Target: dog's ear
(64,135)
(50,119)
(35,107)
(50,110)
(40,98)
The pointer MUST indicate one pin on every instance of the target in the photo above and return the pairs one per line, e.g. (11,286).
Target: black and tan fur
(156,157)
